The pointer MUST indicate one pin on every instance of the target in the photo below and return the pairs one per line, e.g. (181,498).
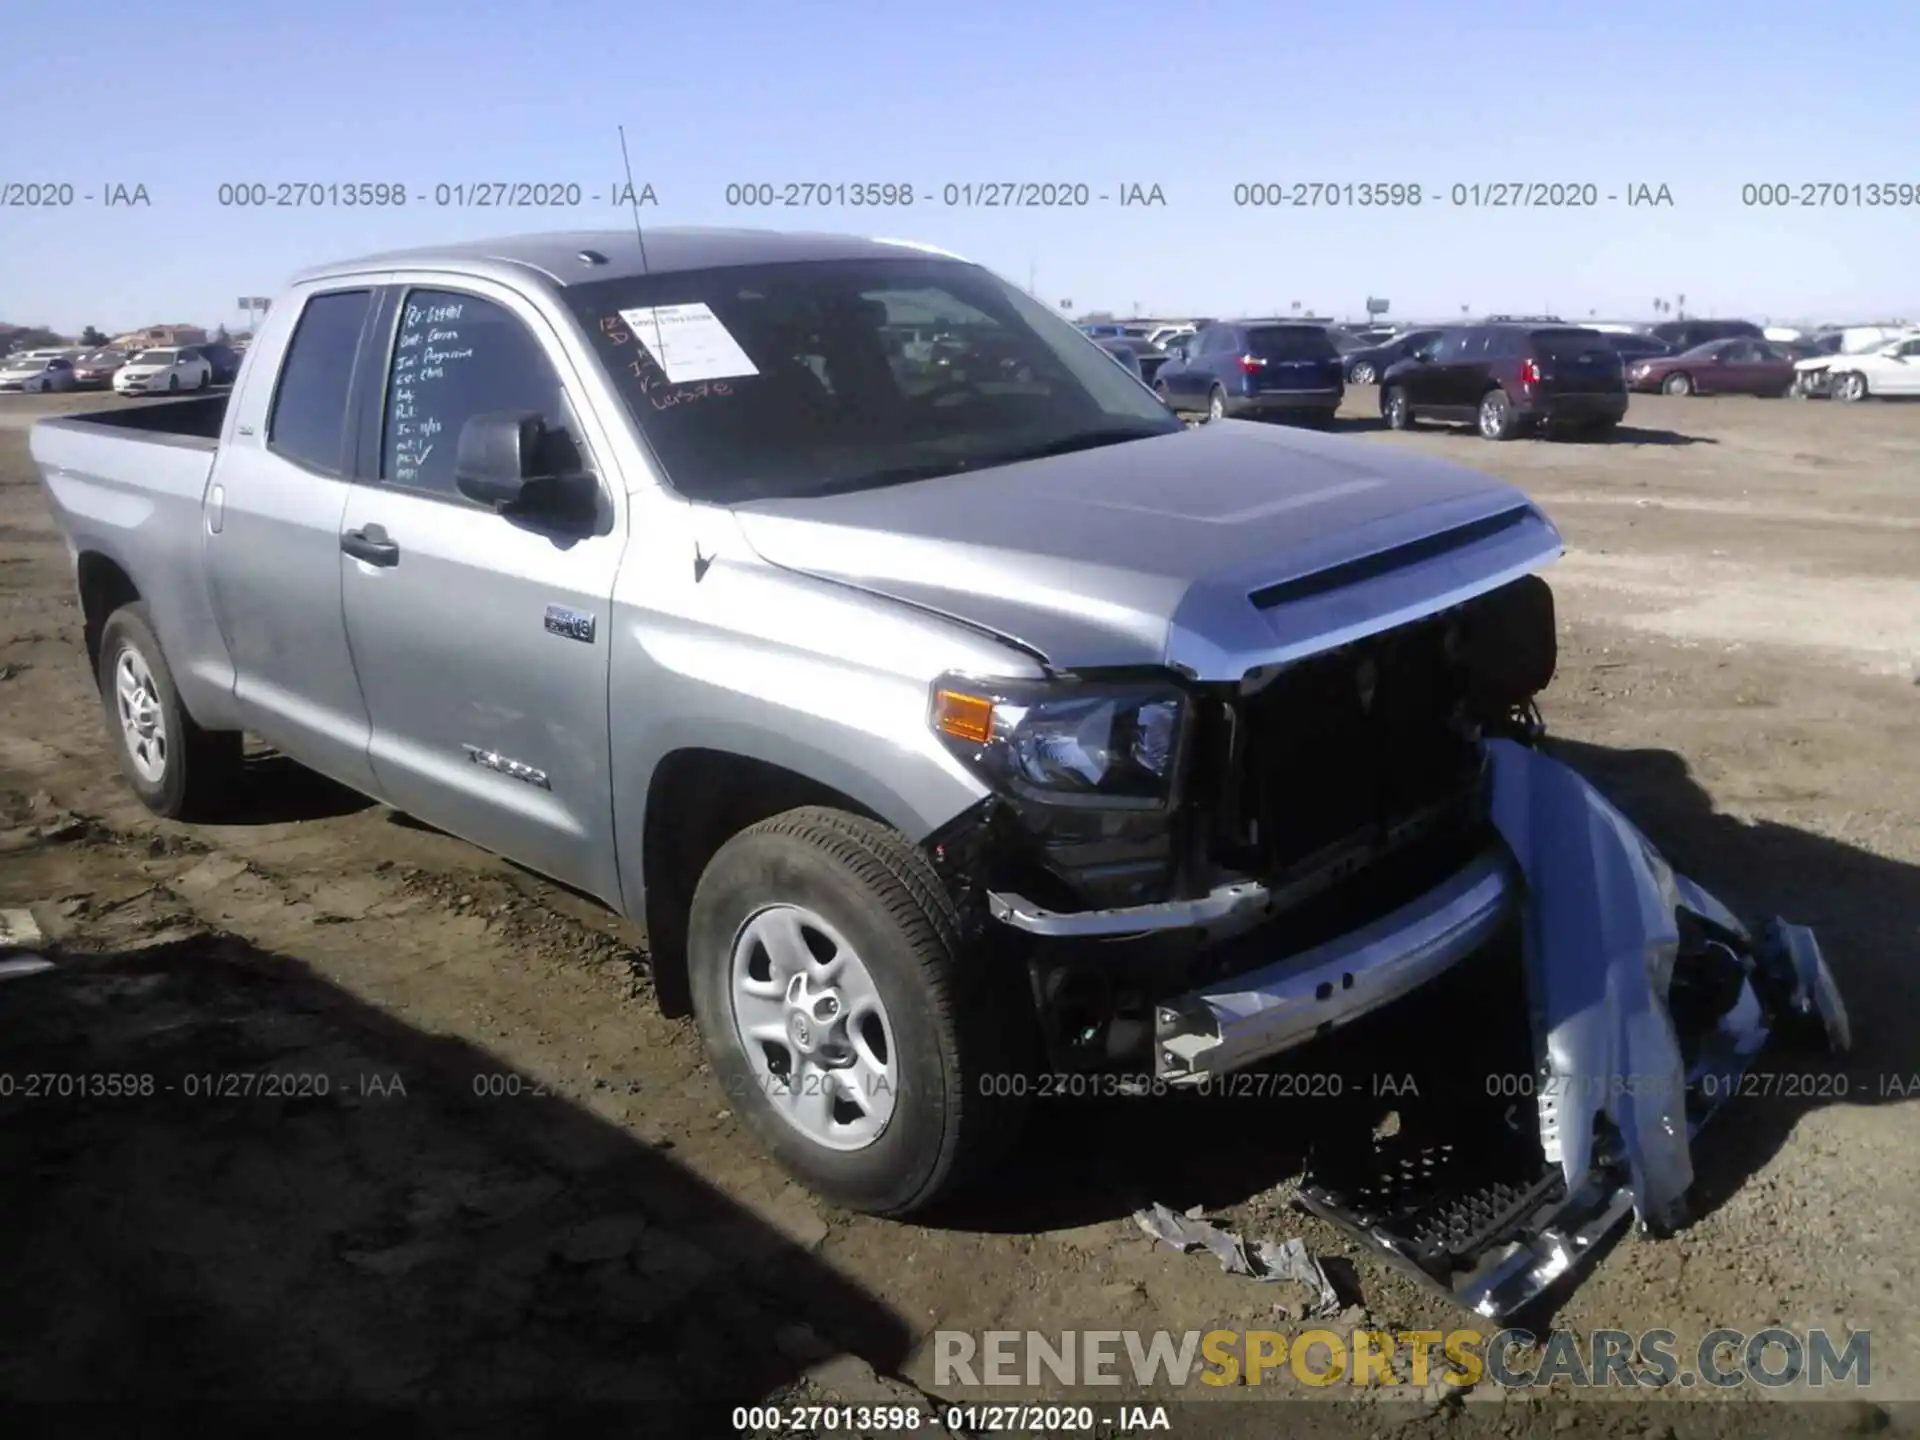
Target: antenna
(640,239)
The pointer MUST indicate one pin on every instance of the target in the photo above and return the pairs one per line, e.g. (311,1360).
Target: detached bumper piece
(1648,1001)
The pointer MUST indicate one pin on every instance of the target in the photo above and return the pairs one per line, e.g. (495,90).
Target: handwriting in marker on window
(615,329)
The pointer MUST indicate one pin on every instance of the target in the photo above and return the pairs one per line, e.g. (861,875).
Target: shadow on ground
(226,1178)
(272,789)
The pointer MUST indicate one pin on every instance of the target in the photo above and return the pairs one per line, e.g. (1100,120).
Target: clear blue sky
(1699,97)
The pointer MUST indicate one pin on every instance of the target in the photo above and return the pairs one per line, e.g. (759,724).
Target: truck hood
(1213,550)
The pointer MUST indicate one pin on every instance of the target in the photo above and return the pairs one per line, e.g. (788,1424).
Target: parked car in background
(1630,345)
(1719,367)
(1508,378)
(35,372)
(1164,335)
(1256,368)
(1892,369)
(1368,363)
(223,359)
(169,369)
(1685,334)
(97,367)
(1124,352)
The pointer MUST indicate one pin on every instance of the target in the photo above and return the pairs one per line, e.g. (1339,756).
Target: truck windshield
(788,380)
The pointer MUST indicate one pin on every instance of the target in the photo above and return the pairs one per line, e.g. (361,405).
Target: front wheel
(1678,384)
(1851,387)
(175,768)
(871,1054)
(173,383)
(1363,374)
(1397,409)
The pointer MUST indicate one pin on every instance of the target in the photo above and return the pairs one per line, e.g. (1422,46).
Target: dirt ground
(468,1161)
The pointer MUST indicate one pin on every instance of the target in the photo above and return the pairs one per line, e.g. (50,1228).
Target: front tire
(1363,374)
(1679,383)
(1397,409)
(1850,387)
(177,769)
(845,1019)
(173,384)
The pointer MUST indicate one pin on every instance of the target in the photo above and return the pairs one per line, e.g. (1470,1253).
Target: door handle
(371,545)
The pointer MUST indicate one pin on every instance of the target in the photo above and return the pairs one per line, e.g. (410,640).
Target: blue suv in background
(1256,368)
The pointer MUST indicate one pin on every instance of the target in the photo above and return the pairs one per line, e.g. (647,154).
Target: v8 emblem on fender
(569,623)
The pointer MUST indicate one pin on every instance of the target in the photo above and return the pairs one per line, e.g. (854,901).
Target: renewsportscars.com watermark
(1773,1358)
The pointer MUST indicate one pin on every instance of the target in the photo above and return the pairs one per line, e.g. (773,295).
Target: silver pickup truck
(953,722)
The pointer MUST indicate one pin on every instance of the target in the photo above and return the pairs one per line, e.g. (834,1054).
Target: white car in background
(172,369)
(38,371)
(1892,368)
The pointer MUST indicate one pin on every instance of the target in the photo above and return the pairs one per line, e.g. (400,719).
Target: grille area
(1344,744)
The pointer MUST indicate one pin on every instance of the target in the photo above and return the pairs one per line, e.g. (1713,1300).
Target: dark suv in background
(1256,368)
(1685,334)
(1507,379)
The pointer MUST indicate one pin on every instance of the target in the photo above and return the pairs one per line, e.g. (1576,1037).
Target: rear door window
(1290,342)
(308,423)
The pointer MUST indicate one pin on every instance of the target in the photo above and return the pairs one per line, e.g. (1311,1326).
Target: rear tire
(1497,420)
(954,1032)
(1678,383)
(1216,404)
(177,769)
(1363,374)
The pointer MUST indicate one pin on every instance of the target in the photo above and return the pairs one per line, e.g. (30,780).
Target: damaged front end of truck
(1344,832)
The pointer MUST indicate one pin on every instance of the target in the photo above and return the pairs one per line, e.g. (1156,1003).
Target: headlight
(1066,742)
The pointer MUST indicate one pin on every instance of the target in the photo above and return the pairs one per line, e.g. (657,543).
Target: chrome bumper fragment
(1254,1016)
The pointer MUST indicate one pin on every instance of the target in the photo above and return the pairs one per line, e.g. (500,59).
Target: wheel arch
(696,799)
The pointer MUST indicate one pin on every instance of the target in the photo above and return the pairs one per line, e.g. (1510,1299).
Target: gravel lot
(523,1182)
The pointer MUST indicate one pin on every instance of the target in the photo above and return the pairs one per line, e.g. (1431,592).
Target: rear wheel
(1216,404)
(1850,387)
(1497,420)
(1678,383)
(176,768)
(1363,373)
(1397,409)
(871,1053)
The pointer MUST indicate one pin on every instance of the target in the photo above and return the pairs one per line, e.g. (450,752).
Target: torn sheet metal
(1266,1261)
(1603,946)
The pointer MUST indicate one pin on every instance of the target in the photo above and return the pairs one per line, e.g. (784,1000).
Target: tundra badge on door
(569,623)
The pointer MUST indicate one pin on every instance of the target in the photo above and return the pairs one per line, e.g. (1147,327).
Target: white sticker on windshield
(689,342)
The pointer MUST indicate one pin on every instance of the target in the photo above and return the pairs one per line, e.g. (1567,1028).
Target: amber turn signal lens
(966,717)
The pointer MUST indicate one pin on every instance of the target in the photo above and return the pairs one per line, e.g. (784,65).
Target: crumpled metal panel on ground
(1611,936)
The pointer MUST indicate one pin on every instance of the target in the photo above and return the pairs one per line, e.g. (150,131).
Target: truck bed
(198,418)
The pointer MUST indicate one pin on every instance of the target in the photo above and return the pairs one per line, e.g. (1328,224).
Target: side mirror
(499,462)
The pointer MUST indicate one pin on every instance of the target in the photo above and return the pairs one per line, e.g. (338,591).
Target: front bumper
(1605,927)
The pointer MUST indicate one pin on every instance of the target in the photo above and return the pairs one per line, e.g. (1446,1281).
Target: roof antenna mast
(639,237)
(633,199)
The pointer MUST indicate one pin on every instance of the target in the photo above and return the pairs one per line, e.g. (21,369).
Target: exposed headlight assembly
(1065,742)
